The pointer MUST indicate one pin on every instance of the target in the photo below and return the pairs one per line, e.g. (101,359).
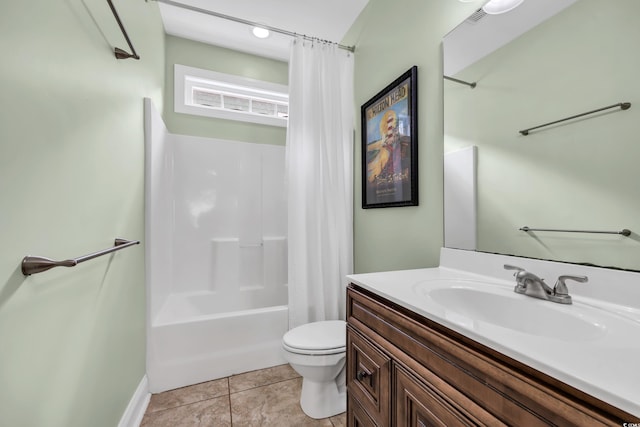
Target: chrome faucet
(529,284)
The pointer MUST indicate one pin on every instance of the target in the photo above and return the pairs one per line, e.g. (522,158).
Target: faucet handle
(560,288)
(513,267)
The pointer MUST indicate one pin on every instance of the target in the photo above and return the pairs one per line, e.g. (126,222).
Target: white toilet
(317,351)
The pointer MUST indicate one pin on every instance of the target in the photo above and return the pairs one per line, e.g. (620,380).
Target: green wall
(200,55)
(390,37)
(72,346)
(581,174)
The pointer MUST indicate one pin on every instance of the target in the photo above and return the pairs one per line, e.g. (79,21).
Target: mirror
(542,62)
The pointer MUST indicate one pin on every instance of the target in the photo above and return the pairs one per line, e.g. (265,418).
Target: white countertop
(605,366)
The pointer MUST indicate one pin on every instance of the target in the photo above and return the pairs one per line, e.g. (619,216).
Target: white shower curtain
(319,180)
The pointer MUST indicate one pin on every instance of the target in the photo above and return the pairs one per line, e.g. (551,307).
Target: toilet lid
(327,336)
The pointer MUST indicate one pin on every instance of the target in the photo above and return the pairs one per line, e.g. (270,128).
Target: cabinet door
(417,405)
(369,377)
(356,415)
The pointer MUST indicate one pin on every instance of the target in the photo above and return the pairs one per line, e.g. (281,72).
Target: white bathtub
(216,256)
(190,346)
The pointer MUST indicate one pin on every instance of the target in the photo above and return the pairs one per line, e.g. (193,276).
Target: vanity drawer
(369,377)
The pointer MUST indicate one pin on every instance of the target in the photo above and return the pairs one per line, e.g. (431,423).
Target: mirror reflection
(545,61)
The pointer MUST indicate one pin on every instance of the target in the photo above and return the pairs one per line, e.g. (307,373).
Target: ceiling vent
(476,16)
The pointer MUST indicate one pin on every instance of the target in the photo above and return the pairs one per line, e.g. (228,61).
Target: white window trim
(185,78)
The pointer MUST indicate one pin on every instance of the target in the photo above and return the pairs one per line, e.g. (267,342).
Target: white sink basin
(474,304)
(591,345)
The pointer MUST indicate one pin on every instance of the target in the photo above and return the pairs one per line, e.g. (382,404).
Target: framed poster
(390,145)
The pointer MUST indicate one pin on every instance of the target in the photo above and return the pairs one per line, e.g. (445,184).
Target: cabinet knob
(362,375)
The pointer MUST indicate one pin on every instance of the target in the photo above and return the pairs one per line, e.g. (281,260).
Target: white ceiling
(324,19)
(473,40)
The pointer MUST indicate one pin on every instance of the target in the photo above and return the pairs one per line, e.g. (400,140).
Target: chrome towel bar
(621,105)
(624,232)
(36,264)
(462,82)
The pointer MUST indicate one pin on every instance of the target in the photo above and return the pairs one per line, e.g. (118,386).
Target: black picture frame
(390,144)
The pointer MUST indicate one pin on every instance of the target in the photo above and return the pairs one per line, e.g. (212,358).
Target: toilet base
(322,399)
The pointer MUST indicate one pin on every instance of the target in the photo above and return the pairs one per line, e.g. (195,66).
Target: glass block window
(208,93)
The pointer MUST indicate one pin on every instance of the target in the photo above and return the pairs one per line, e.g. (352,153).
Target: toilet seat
(317,339)
(325,352)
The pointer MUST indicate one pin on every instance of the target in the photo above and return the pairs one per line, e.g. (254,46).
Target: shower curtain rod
(252,24)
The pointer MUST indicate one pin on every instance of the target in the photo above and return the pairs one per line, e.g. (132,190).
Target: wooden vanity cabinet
(405,370)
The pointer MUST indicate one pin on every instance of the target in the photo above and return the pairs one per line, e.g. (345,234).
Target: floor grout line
(261,385)
(229,399)
(188,403)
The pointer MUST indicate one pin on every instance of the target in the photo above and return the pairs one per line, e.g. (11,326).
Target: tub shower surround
(216,256)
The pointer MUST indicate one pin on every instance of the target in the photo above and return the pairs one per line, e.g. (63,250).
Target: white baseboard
(132,416)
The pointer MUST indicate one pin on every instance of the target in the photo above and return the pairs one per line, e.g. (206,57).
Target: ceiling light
(261,33)
(496,7)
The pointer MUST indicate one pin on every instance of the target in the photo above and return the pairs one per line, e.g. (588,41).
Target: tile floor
(268,397)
